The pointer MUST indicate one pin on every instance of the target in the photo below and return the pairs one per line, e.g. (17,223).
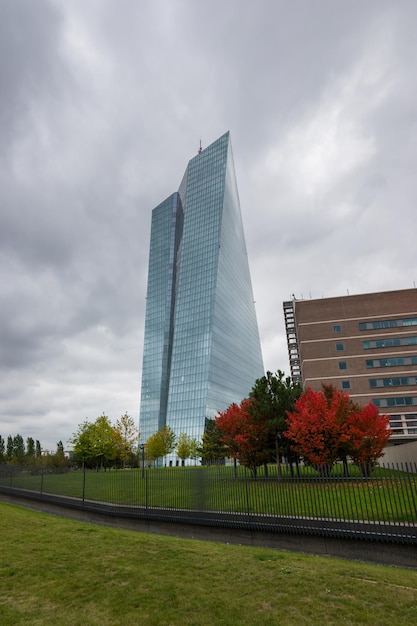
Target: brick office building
(364,344)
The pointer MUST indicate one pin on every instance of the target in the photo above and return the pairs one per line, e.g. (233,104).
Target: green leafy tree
(273,396)
(160,444)
(187,447)
(126,436)
(183,446)
(212,450)
(93,443)
(194,449)
(83,443)
(9,448)
(30,450)
(18,449)
(2,450)
(103,441)
(58,460)
(154,448)
(38,449)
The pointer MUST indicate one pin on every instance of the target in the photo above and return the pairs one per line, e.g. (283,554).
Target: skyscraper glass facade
(201,348)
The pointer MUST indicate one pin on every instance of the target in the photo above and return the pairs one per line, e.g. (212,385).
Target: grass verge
(59,571)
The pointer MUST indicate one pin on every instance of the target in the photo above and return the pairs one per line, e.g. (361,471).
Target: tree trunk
(366,469)
(278,456)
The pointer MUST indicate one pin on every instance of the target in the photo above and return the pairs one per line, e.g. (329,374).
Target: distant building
(201,348)
(364,344)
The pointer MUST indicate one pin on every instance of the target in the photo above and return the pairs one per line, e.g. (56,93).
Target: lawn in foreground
(59,571)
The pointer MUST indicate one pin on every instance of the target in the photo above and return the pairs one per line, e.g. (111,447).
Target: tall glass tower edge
(201,346)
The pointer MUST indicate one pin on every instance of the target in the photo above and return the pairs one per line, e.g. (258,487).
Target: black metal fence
(383,505)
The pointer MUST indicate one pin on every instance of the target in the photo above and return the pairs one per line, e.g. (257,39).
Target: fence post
(41,479)
(83,481)
(142,450)
(146,489)
(413,501)
(247,494)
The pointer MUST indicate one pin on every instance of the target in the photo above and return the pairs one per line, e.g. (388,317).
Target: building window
(392,362)
(342,365)
(390,342)
(345,384)
(340,347)
(398,381)
(337,328)
(401,401)
(380,324)
(410,321)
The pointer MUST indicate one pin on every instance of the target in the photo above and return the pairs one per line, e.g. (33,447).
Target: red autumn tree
(327,426)
(315,426)
(231,424)
(368,433)
(244,437)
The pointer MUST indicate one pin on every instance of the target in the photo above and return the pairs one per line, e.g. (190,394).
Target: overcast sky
(103,103)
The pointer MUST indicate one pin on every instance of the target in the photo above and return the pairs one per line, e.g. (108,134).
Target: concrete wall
(404,453)
(382,552)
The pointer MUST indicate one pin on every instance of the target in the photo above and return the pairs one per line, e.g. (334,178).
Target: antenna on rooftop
(200,148)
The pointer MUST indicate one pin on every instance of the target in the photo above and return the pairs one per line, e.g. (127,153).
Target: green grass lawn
(60,571)
(387,497)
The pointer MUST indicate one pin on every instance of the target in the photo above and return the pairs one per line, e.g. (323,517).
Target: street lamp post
(142,449)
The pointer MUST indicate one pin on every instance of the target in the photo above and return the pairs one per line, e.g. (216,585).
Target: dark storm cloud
(103,103)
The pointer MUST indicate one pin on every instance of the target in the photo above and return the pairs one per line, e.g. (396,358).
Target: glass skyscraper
(201,348)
